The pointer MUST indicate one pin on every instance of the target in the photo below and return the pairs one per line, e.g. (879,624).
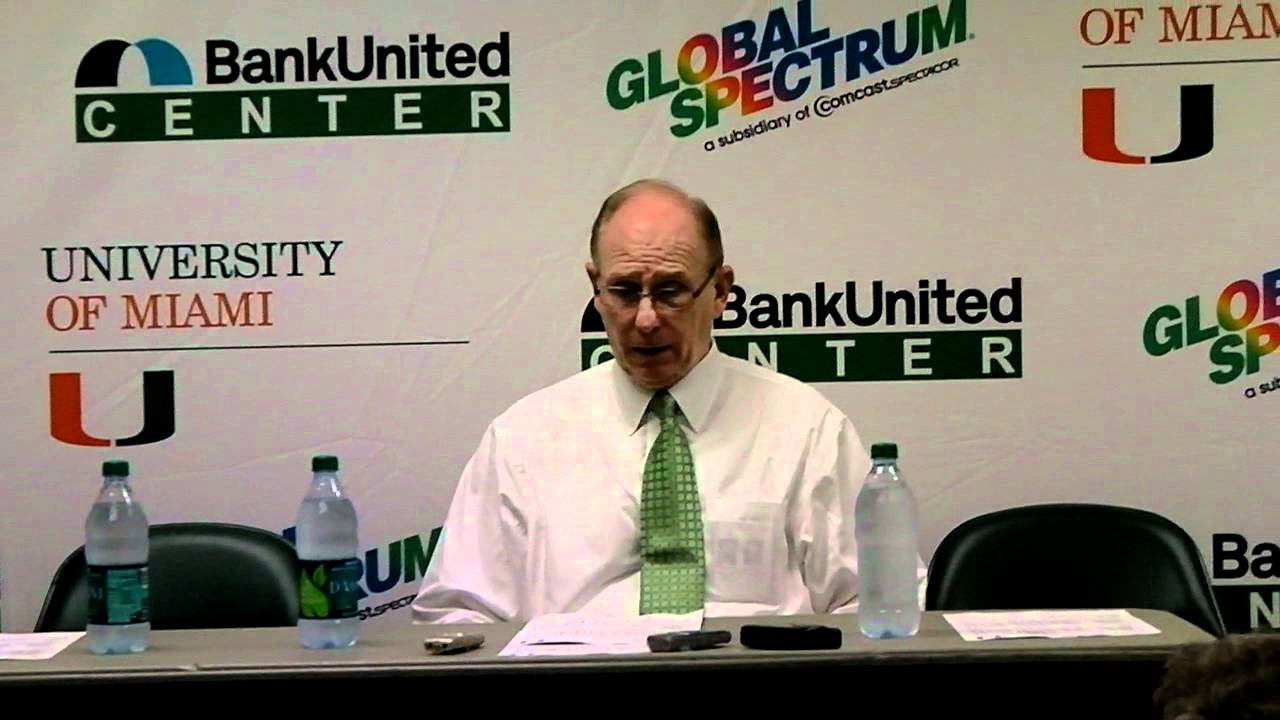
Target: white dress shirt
(545,518)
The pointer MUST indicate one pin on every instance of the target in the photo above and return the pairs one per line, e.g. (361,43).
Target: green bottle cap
(884,451)
(115,468)
(324,463)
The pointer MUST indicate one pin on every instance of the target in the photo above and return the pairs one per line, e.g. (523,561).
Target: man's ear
(724,286)
(592,276)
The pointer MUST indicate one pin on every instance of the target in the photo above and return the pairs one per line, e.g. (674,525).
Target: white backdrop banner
(1032,243)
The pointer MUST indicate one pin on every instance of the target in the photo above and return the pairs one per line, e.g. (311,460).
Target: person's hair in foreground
(1235,678)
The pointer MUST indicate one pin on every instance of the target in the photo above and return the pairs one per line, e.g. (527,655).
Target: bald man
(669,479)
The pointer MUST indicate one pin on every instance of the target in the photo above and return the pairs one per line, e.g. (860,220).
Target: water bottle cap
(884,451)
(115,468)
(324,463)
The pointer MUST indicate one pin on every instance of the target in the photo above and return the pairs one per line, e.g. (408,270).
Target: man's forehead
(653,222)
(655,195)
(656,255)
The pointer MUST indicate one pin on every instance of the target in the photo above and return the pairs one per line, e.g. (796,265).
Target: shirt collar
(695,393)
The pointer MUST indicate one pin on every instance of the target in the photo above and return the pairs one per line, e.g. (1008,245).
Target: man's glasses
(672,295)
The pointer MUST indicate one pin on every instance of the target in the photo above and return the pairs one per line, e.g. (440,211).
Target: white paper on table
(35,646)
(1047,624)
(575,634)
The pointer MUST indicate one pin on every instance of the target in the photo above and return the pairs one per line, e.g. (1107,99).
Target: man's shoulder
(781,409)
(769,386)
(562,400)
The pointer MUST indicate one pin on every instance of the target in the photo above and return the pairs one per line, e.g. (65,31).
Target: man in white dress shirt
(552,513)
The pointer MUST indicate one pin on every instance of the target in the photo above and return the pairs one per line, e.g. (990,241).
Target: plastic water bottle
(887,531)
(328,543)
(116,551)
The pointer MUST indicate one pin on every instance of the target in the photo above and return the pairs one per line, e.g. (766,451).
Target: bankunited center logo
(865,332)
(101,65)
(338,86)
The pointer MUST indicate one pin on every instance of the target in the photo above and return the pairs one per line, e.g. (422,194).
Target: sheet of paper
(1047,624)
(573,634)
(35,646)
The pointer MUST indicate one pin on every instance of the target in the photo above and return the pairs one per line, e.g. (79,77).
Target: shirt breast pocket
(746,551)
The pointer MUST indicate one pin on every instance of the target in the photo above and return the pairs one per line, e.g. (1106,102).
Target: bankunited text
(934,331)
(350,87)
(225,62)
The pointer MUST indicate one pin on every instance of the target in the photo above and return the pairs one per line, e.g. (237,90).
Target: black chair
(1072,556)
(202,575)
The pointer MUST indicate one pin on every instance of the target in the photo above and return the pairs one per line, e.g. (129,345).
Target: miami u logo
(65,414)
(100,67)
(1099,127)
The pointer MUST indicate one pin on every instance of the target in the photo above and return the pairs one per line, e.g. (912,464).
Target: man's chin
(651,375)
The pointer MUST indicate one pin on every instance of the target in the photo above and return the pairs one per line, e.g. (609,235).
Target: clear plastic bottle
(887,531)
(328,544)
(117,550)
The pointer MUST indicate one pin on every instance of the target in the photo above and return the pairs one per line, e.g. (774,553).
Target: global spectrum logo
(1243,329)
(752,65)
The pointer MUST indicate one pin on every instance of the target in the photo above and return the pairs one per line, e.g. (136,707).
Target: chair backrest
(202,575)
(1072,556)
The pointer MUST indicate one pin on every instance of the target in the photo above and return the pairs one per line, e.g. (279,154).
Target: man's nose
(646,316)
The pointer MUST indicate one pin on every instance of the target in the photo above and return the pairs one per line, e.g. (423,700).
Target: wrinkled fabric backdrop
(1034,247)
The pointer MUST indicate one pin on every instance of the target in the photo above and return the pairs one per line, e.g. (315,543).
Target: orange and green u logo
(66,416)
(1099,127)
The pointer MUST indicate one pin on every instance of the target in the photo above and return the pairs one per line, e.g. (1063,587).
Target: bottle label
(119,595)
(329,589)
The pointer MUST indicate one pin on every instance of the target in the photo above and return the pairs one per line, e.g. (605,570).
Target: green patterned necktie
(673,571)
